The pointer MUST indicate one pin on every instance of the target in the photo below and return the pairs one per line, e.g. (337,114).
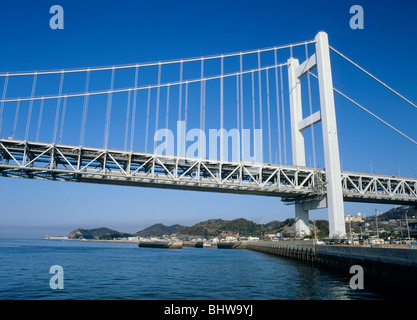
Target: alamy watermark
(226,145)
(57,20)
(357,20)
(57,280)
(356,281)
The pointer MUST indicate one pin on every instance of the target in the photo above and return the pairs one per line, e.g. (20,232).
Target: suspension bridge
(103,125)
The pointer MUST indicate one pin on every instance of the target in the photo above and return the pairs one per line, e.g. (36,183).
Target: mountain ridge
(207,228)
(101,233)
(159,229)
(218,227)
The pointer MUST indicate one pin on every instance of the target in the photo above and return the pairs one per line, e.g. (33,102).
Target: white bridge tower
(334,196)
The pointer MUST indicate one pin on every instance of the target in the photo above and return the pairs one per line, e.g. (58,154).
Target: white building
(354,218)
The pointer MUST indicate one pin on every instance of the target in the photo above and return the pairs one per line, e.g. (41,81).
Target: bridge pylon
(334,196)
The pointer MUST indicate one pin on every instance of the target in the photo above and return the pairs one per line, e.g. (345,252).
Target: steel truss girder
(46,161)
(379,188)
(37,160)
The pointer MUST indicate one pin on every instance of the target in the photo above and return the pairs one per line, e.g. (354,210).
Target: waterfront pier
(391,266)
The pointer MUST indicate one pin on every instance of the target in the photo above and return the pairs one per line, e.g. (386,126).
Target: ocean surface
(98,270)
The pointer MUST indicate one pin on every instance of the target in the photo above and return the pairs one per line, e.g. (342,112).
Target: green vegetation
(243,227)
(398,212)
(206,229)
(158,230)
(97,234)
(216,227)
(115,235)
(322,228)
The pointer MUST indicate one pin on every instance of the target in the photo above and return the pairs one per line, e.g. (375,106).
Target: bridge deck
(47,161)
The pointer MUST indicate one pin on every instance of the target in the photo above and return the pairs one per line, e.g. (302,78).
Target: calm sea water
(95,270)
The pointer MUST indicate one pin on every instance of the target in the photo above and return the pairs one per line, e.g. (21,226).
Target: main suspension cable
(371,113)
(375,78)
(151,64)
(139,88)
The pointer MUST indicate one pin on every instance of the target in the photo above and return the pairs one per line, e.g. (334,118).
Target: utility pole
(408,229)
(401,229)
(350,230)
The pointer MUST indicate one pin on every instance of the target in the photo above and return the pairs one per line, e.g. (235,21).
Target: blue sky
(105,33)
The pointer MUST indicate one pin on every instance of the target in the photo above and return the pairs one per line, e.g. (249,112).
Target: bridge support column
(301,221)
(297,141)
(330,141)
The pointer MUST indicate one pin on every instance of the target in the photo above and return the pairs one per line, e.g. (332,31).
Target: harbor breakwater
(387,266)
(160,244)
(179,244)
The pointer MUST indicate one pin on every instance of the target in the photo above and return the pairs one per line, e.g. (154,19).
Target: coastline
(92,240)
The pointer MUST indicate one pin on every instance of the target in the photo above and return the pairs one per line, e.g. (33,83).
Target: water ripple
(124,271)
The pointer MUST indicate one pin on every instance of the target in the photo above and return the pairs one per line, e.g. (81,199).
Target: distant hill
(97,234)
(216,227)
(241,226)
(158,230)
(281,224)
(398,212)
(206,229)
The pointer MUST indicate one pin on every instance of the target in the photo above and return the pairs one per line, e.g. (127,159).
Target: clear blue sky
(102,33)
